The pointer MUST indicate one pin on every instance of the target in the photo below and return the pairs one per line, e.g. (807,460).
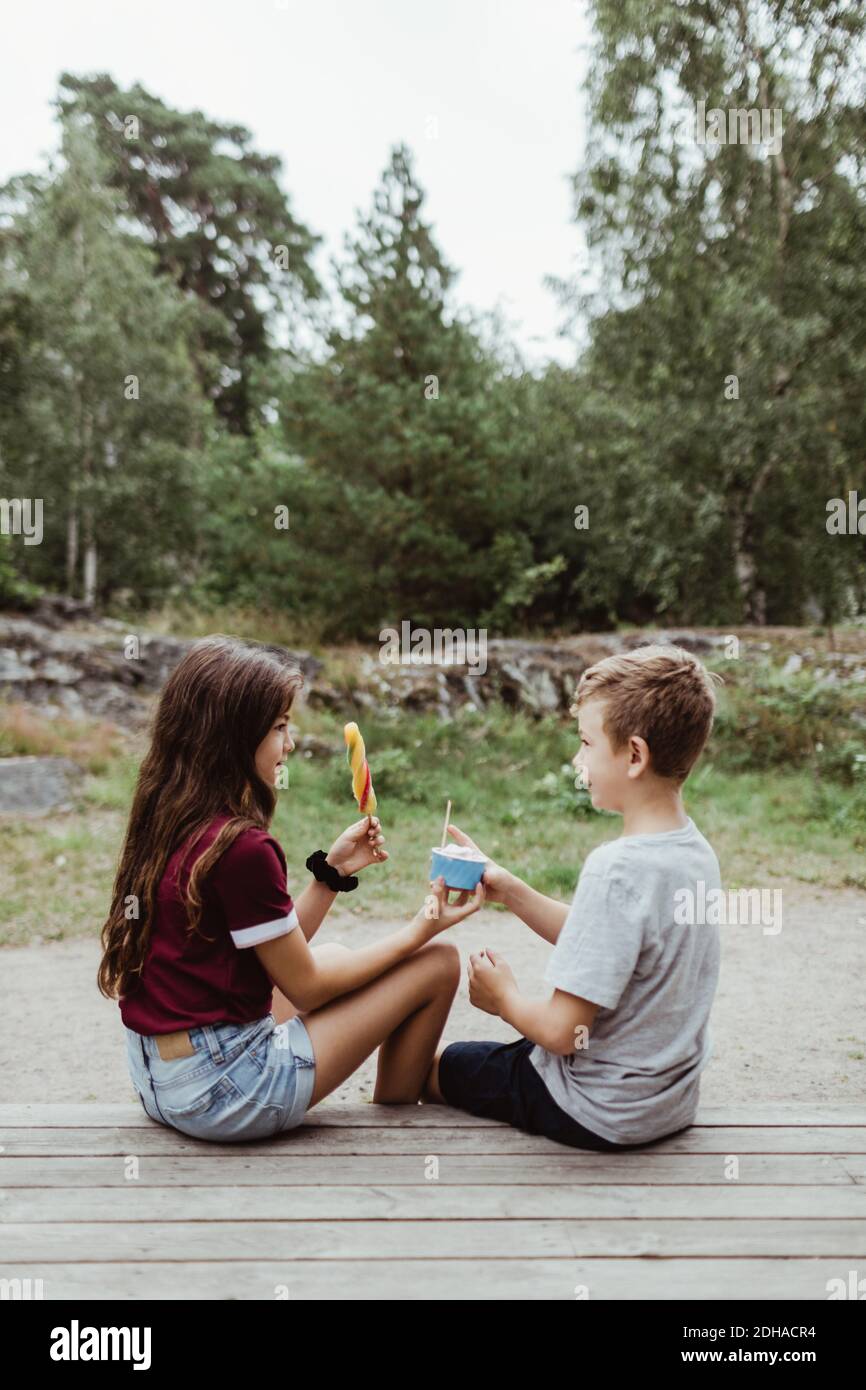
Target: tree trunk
(90,559)
(87,528)
(754,599)
(71,544)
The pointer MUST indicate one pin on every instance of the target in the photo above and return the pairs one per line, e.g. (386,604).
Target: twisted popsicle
(362,783)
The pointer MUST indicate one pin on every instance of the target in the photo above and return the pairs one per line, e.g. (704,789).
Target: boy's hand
(496,880)
(357,847)
(491,980)
(438,914)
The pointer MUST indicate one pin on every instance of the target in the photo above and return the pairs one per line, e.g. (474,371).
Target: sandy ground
(788,1022)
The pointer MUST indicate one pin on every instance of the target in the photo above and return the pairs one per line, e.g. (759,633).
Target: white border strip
(265,931)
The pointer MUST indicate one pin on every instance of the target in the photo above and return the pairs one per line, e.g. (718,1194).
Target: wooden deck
(425,1202)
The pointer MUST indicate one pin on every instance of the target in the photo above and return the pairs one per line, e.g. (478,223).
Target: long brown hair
(217,705)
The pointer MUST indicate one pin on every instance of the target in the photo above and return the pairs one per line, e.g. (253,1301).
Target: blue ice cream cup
(457,870)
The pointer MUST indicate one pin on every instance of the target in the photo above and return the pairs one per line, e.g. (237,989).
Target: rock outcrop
(93,669)
(31,786)
(62,659)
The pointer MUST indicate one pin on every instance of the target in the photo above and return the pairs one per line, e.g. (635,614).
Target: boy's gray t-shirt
(624,945)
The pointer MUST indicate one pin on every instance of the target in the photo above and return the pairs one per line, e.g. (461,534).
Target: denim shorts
(498,1081)
(244,1081)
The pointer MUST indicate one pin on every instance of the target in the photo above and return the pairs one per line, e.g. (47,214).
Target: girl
(202,926)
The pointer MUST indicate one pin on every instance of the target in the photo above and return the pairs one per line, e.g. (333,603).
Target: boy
(613,1058)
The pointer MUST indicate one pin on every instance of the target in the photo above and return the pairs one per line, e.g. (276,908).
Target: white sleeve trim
(265,931)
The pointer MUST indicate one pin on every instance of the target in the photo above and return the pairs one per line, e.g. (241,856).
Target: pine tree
(220,224)
(402,430)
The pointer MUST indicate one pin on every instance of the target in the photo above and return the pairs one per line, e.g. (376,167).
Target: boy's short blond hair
(663,694)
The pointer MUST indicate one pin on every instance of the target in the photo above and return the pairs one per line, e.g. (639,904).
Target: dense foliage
(204,421)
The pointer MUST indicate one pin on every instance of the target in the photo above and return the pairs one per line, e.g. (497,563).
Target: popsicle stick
(445,826)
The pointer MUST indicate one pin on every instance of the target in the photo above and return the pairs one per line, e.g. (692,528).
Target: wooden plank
(429,1201)
(80,1116)
(325,1141)
(433,1280)
(786,1113)
(82,1241)
(780,1112)
(66,1114)
(565,1166)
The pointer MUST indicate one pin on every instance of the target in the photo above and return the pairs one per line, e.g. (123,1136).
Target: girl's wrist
(330,875)
(422,927)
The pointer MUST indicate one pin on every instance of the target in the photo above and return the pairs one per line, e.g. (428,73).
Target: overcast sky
(486,93)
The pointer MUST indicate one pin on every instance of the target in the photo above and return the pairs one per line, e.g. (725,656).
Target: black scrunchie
(327,874)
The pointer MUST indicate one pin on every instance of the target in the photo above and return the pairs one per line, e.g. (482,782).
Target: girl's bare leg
(283,1008)
(431,1093)
(402,1013)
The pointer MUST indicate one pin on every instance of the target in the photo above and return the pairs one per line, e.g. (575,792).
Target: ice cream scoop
(460,865)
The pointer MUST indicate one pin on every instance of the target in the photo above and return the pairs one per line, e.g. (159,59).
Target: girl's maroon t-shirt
(188,980)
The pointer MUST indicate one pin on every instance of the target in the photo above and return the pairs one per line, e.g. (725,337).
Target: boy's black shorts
(498,1081)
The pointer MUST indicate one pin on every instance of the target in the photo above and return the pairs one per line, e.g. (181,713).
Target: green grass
(504,774)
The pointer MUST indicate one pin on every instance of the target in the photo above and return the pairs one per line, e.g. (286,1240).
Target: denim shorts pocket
(183,1105)
(258,1054)
(238,1044)
(224,1111)
(180,1071)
